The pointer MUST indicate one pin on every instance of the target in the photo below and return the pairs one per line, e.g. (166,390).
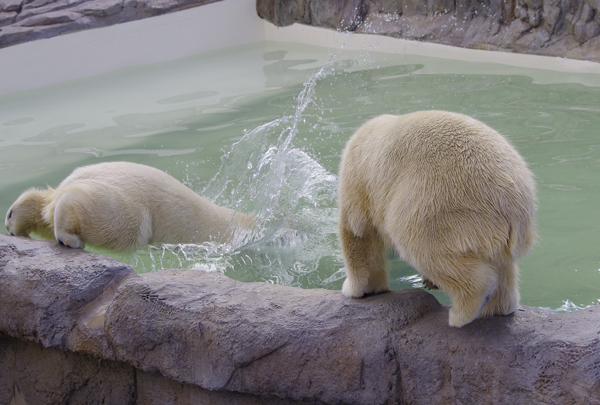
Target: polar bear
(121,206)
(453,198)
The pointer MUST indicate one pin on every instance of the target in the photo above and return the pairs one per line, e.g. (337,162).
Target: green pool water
(260,128)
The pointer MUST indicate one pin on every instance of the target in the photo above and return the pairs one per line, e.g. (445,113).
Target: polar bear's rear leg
(505,299)
(365,262)
(66,224)
(470,283)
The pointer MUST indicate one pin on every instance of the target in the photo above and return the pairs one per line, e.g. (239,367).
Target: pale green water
(239,127)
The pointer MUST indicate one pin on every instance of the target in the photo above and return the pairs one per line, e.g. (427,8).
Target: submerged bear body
(122,206)
(453,198)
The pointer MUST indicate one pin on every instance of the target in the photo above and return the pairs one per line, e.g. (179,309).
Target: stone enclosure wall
(77,327)
(566,28)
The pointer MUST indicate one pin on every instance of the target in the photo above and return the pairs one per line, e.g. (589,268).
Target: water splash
(293,198)
(567,306)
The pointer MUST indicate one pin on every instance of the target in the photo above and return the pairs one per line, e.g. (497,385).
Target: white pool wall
(157,39)
(222,24)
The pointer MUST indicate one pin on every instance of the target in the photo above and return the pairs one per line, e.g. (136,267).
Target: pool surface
(260,128)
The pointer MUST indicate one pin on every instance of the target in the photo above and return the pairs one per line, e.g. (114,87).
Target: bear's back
(443,146)
(130,177)
(456,155)
(152,205)
(441,177)
(135,189)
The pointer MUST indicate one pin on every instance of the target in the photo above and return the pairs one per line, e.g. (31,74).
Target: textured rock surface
(57,296)
(568,28)
(257,337)
(30,374)
(27,20)
(199,336)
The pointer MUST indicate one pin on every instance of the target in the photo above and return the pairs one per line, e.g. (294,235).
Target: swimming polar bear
(121,206)
(454,199)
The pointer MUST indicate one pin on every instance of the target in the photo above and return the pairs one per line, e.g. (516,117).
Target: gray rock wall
(27,20)
(31,374)
(75,325)
(566,28)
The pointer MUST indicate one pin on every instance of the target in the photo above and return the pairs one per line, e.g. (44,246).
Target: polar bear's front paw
(70,240)
(359,288)
(351,289)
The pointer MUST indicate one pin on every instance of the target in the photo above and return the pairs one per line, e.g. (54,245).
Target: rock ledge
(80,325)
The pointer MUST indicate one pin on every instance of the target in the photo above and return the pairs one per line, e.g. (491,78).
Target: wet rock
(567,28)
(204,337)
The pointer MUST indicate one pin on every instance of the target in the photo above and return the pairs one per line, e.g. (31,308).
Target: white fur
(451,195)
(122,206)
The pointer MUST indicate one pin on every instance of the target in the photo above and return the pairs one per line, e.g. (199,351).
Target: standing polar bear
(121,206)
(454,199)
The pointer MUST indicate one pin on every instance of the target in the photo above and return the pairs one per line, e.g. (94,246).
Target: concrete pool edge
(227,23)
(181,333)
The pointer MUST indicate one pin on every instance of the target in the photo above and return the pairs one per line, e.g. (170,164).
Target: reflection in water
(280,72)
(187,97)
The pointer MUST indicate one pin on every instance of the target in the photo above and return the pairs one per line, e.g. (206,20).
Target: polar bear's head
(24,217)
